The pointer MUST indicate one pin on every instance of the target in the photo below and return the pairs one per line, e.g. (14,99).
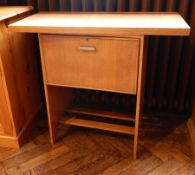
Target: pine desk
(20,95)
(98,51)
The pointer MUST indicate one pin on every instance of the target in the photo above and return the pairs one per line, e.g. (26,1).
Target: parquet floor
(163,150)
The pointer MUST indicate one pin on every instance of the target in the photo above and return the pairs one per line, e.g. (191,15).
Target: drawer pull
(87,48)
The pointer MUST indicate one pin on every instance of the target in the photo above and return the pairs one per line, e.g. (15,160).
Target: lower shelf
(98,125)
(101,113)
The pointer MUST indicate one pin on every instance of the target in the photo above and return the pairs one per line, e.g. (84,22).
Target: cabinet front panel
(109,64)
(5,122)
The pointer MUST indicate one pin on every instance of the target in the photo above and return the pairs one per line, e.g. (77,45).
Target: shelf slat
(98,125)
(101,113)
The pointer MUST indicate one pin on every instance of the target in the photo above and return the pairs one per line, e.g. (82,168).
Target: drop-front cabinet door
(99,63)
(5,122)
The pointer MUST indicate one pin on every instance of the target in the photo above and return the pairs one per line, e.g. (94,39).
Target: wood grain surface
(19,81)
(11,11)
(104,23)
(87,152)
(113,60)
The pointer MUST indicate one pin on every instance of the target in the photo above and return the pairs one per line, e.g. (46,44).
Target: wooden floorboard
(163,149)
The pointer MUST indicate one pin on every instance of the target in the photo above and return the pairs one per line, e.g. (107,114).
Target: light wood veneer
(68,65)
(101,51)
(7,12)
(128,24)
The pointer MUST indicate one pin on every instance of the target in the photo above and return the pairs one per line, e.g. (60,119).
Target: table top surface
(11,11)
(136,23)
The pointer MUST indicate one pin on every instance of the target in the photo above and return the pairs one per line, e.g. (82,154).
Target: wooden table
(20,97)
(98,51)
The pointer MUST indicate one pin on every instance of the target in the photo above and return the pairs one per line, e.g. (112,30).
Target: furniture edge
(191,135)
(22,137)
(16,14)
(100,31)
(8,141)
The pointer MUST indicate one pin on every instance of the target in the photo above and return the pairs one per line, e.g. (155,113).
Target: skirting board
(191,131)
(16,142)
(11,142)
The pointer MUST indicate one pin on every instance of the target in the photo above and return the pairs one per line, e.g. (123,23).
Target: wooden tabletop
(11,11)
(103,23)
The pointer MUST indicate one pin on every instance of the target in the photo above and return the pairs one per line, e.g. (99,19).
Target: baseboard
(11,142)
(23,136)
(191,131)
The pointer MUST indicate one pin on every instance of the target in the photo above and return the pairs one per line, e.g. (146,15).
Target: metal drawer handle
(87,48)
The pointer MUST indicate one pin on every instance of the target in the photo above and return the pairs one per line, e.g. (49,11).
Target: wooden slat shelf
(98,125)
(101,113)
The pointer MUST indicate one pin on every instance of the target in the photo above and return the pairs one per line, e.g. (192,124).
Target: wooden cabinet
(91,62)
(5,122)
(20,98)
(99,51)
